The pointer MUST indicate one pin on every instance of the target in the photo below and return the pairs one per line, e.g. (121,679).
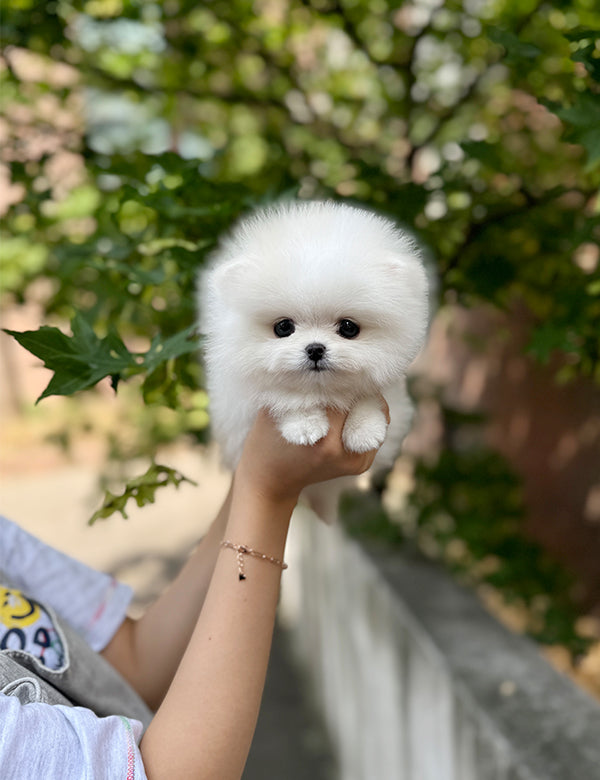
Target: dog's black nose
(315,351)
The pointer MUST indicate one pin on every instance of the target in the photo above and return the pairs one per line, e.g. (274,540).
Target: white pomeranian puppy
(309,305)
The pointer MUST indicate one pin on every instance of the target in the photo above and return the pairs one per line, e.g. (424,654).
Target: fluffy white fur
(314,263)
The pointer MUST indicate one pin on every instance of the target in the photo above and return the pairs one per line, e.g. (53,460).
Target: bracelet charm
(243,549)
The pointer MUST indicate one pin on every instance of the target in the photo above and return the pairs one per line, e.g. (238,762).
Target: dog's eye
(284,328)
(348,329)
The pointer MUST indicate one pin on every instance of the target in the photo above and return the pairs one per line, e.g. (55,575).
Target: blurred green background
(134,133)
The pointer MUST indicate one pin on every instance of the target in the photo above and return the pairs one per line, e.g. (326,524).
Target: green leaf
(585,53)
(160,351)
(585,56)
(78,361)
(550,337)
(585,111)
(485,152)
(582,33)
(583,124)
(142,489)
(83,359)
(516,50)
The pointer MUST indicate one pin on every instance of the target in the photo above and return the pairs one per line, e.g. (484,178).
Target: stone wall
(549,431)
(416,681)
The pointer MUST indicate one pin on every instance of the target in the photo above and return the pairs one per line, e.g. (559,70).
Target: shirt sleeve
(92,602)
(56,742)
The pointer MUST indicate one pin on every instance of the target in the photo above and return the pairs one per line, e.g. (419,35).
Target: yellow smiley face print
(16,610)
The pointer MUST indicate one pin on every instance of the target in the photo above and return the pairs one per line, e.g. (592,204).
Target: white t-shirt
(53,741)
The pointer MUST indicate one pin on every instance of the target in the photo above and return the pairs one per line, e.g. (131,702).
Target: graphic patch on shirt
(26,625)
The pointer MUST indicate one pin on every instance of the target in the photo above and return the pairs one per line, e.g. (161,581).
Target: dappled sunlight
(134,134)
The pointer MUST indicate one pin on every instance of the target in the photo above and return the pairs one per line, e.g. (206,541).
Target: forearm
(204,727)
(148,651)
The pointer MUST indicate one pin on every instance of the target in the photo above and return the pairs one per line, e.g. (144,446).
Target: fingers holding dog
(283,469)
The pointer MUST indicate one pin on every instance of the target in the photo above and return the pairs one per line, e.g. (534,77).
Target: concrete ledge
(417,681)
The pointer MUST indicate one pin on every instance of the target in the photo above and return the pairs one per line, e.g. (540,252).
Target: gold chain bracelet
(243,549)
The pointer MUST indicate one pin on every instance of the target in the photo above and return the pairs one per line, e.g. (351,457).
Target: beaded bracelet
(242,549)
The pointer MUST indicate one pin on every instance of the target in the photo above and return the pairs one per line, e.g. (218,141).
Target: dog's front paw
(365,427)
(304,427)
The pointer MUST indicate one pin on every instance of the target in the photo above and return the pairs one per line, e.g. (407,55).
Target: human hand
(278,470)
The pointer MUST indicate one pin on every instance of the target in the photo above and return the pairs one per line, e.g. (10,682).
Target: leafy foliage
(137,132)
(142,489)
(437,115)
(82,360)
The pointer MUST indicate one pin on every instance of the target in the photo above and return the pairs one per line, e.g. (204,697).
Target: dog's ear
(407,281)
(219,282)
(226,278)
(408,267)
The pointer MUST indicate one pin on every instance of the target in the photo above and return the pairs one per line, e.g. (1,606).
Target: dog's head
(319,294)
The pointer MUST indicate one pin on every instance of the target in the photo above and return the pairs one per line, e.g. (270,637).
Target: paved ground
(290,742)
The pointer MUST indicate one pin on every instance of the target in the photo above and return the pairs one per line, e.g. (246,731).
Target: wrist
(259,520)
(258,504)
(276,499)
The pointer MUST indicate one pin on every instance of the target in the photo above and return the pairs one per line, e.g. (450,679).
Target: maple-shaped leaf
(81,360)
(78,361)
